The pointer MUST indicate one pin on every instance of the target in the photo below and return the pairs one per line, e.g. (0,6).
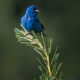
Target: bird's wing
(37,19)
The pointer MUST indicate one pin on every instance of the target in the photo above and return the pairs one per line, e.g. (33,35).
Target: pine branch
(33,41)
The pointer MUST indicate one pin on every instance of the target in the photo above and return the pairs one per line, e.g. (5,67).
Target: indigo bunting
(30,21)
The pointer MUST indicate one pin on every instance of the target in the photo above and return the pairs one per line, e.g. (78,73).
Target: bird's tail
(43,34)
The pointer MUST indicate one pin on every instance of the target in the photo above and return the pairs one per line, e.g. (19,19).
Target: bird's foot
(33,38)
(28,33)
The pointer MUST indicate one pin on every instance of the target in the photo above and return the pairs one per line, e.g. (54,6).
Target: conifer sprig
(33,41)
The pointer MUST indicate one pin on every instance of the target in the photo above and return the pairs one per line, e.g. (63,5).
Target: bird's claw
(33,38)
(28,33)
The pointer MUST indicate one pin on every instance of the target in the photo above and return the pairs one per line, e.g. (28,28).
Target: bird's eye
(33,9)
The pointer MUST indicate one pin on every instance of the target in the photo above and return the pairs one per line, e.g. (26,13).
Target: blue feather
(30,20)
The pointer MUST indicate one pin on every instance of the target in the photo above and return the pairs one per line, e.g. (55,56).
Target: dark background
(61,19)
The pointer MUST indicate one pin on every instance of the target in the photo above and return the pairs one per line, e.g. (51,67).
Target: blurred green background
(61,19)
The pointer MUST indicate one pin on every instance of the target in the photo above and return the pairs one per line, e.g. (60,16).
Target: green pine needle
(32,41)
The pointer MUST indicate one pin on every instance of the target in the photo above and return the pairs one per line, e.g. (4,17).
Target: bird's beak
(37,10)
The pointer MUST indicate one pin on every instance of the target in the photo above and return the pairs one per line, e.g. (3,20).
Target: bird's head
(32,10)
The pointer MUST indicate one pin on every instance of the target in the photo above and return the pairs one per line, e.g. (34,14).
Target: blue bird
(30,21)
